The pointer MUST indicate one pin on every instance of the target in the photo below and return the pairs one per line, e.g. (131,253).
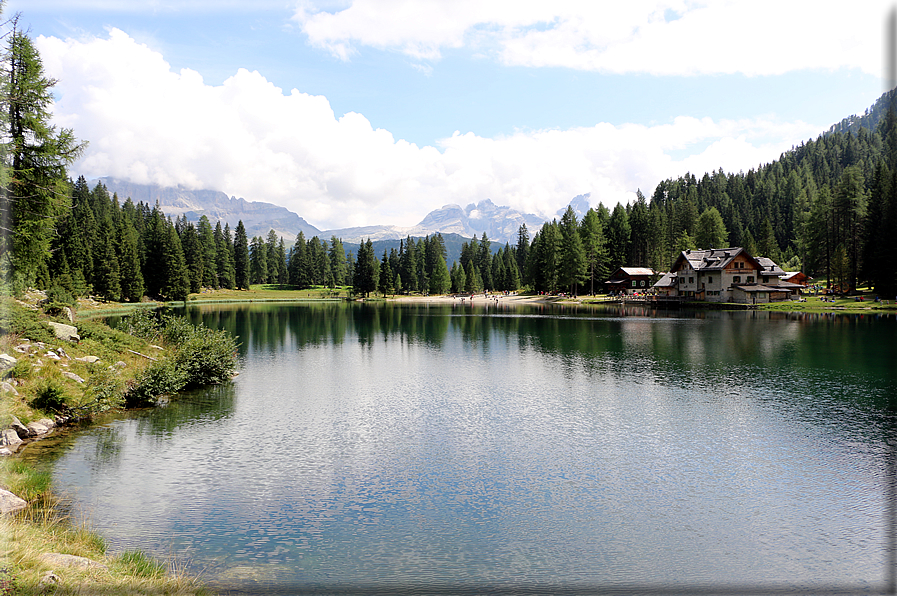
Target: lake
(399,448)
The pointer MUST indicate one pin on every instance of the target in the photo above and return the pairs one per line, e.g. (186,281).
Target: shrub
(177,330)
(50,396)
(104,391)
(60,295)
(160,378)
(14,319)
(142,323)
(208,357)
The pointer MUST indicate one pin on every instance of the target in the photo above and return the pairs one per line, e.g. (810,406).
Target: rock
(88,359)
(6,362)
(38,428)
(71,561)
(47,580)
(63,331)
(53,355)
(120,364)
(72,376)
(21,429)
(4,451)
(47,422)
(9,437)
(8,388)
(9,503)
(23,348)
(62,353)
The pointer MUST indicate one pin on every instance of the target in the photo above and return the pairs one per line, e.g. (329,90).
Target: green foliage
(34,188)
(55,309)
(25,481)
(59,294)
(202,357)
(142,323)
(24,322)
(104,391)
(141,565)
(51,396)
(207,357)
(160,378)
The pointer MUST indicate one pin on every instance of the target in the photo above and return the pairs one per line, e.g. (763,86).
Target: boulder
(8,388)
(21,429)
(72,376)
(71,561)
(88,359)
(120,364)
(4,451)
(63,331)
(38,428)
(9,437)
(53,355)
(47,581)
(9,503)
(6,362)
(47,422)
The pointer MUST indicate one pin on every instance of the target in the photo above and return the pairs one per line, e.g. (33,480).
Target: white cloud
(248,138)
(661,37)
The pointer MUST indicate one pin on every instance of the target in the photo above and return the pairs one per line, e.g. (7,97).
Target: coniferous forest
(827,207)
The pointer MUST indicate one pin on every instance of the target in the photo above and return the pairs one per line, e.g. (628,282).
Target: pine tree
(337,261)
(129,261)
(594,245)
(241,257)
(209,248)
(367,270)
(176,282)
(573,264)
(224,257)
(33,186)
(107,277)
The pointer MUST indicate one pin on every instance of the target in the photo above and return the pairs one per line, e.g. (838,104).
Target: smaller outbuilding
(628,280)
(795,277)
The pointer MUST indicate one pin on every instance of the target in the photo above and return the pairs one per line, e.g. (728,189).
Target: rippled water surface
(411,446)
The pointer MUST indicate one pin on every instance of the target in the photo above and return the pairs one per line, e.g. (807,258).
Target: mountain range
(499,223)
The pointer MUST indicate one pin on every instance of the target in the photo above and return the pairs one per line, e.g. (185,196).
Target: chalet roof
(710,259)
(769,267)
(667,280)
(637,270)
(625,273)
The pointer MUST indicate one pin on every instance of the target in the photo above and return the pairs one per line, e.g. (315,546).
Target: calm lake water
(410,448)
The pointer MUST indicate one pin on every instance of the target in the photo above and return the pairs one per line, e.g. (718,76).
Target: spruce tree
(34,182)
(241,257)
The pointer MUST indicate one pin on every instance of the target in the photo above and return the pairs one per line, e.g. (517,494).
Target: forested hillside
(827,207)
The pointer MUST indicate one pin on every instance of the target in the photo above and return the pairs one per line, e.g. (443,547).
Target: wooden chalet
(628,280)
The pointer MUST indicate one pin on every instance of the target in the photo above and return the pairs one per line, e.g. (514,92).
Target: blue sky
(377,111)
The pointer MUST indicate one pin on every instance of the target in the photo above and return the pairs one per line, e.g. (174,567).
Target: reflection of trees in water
(716,350)
(190,407)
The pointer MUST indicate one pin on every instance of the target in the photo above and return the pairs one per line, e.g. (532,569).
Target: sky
(372,112)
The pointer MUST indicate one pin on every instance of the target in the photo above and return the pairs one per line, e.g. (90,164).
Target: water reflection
(387,445)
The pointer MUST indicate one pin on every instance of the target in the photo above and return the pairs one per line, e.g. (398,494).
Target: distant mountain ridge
(499,223)
(258,218)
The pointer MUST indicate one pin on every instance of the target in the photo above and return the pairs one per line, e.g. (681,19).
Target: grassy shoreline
(92,391)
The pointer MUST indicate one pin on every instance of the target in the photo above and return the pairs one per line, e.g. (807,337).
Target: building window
(710,280)
(643,283)
(691,280)
(736,279)
(750,279)
(633,283)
